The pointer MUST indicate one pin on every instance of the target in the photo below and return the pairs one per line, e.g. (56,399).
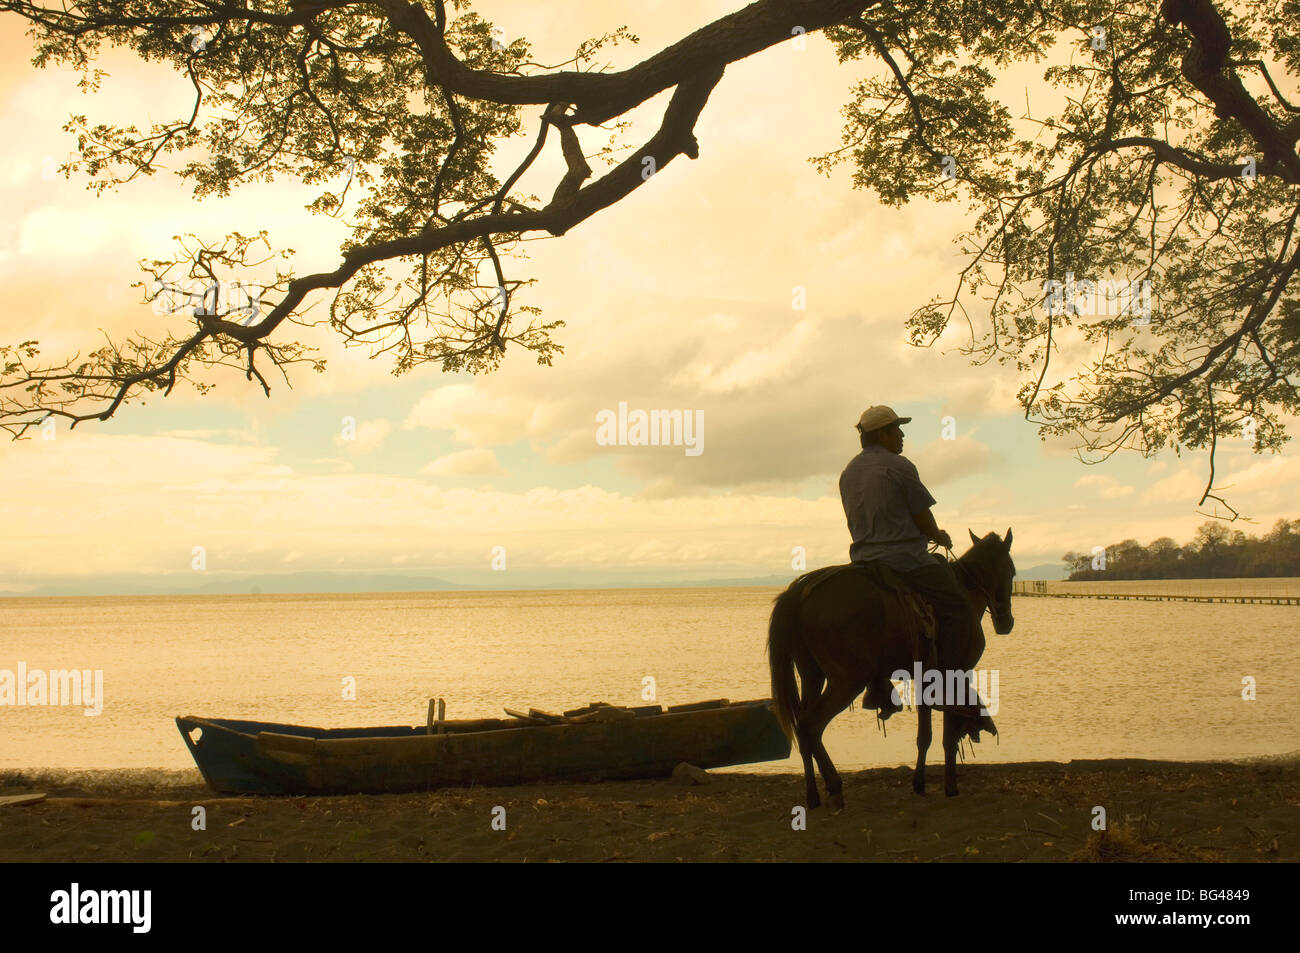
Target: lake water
(1077,678)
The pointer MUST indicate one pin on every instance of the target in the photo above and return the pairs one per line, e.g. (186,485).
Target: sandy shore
(1041,811)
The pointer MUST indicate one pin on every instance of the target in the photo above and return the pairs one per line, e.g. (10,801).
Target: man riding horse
(889,516)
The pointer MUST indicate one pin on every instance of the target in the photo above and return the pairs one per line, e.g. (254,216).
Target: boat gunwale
(407,732)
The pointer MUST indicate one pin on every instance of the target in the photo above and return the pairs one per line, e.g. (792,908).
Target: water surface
(1078,678)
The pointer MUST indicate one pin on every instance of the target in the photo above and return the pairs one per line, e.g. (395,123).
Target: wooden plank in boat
(19,800)
(579,714)
(699,706)
(603,716)
(465,725)
(291,749)
(629,747)
(588,709)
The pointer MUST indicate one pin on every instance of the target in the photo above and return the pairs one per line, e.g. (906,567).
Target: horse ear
(1007,540)
(973,537)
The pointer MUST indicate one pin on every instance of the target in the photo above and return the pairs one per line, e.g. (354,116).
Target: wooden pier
(1171,597)
(1040,590)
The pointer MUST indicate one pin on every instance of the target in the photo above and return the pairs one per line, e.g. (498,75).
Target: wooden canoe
(252,757)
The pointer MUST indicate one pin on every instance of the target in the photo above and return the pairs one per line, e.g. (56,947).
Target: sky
(681,297)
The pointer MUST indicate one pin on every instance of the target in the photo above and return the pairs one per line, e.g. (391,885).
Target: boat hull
(247,757)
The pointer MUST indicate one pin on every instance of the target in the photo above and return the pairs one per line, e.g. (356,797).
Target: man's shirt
(880,491)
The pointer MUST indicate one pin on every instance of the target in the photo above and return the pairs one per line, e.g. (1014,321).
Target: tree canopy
(1150,218)
(1216,552)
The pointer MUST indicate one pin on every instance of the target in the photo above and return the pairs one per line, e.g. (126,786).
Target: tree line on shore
(1215,553)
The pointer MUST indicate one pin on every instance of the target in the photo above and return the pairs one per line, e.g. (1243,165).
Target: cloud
(368,436)
(213,494)
(761,366)
(1107,486)
(44,234)
(987,395)
(476,462)
(942,461)
(212,433)
(472,414)
(1184,484)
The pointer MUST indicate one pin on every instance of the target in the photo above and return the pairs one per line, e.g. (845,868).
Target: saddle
(885,579)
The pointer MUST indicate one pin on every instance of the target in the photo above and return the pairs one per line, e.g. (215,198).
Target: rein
(973,581)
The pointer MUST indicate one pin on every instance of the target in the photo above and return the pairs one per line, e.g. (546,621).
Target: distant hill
(211,583)
(1045,571)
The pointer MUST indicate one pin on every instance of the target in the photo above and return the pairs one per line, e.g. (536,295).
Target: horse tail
(782,633)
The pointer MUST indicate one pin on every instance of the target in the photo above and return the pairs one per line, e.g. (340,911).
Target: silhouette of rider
(888,510)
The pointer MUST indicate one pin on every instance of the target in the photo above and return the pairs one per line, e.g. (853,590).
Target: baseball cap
(873,418)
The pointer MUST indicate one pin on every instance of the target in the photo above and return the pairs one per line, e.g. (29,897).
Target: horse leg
(924,733)
(833,701)
(952,735)
(805,751)
(811,680)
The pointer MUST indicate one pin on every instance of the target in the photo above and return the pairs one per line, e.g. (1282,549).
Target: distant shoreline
(377,582)
(772,582)
(394,587)
(402,592)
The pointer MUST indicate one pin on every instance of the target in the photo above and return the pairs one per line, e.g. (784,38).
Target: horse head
(990,560)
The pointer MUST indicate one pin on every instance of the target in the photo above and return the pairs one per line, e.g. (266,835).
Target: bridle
(974,583)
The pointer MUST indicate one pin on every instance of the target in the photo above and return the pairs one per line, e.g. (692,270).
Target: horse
(847,636)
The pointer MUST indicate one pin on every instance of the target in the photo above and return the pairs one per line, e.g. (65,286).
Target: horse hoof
(835,802)
(918,787)
(952,793)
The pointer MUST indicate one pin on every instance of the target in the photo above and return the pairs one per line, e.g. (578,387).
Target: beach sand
(1041,811)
